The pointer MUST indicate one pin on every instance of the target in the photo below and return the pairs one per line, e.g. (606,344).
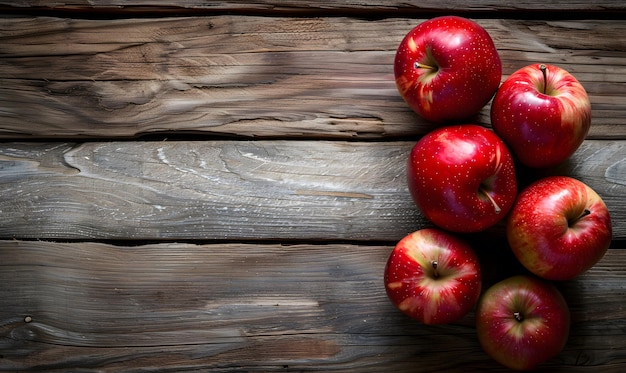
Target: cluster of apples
(463,178)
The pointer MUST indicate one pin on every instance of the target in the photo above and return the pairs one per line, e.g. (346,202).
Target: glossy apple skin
(415,289)
(447,168)
(468,68)
(541,237)
(541,129)
(540,335)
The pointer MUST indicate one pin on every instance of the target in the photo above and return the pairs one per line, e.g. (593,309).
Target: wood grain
(277,190)
(206,190)
(372,7)
(233,307)
(260,248)
(262,77)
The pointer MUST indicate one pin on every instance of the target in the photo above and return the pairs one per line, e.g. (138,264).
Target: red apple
(433,276)
(559,228)
(522,321)
(462,177)
(447,68)
(543,114)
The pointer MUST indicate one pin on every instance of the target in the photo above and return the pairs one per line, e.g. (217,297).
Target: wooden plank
(283,190)
(326,6)
(205,190)
(230,308)
(263,77)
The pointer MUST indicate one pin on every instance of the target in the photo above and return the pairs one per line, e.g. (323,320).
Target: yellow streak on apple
(412,45)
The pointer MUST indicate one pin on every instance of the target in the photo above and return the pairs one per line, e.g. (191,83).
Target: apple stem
(435,264)
(423,66)
(518,316)
(493,202)
(544,70)
(584,213)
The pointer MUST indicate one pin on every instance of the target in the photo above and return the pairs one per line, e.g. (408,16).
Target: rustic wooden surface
(260,76)
(247,307)
(266,189)
(370,7)
(216,186)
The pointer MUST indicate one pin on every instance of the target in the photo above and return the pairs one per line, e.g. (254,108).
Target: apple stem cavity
(544,71)
(435,271)
(573,221)
(497,208)
(518,316)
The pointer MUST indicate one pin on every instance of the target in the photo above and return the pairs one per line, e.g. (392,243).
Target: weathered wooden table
(216,186)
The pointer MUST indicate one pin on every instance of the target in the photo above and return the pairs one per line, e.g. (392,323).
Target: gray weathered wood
(205,190)
(260,76)
(232,307)
(298,190)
